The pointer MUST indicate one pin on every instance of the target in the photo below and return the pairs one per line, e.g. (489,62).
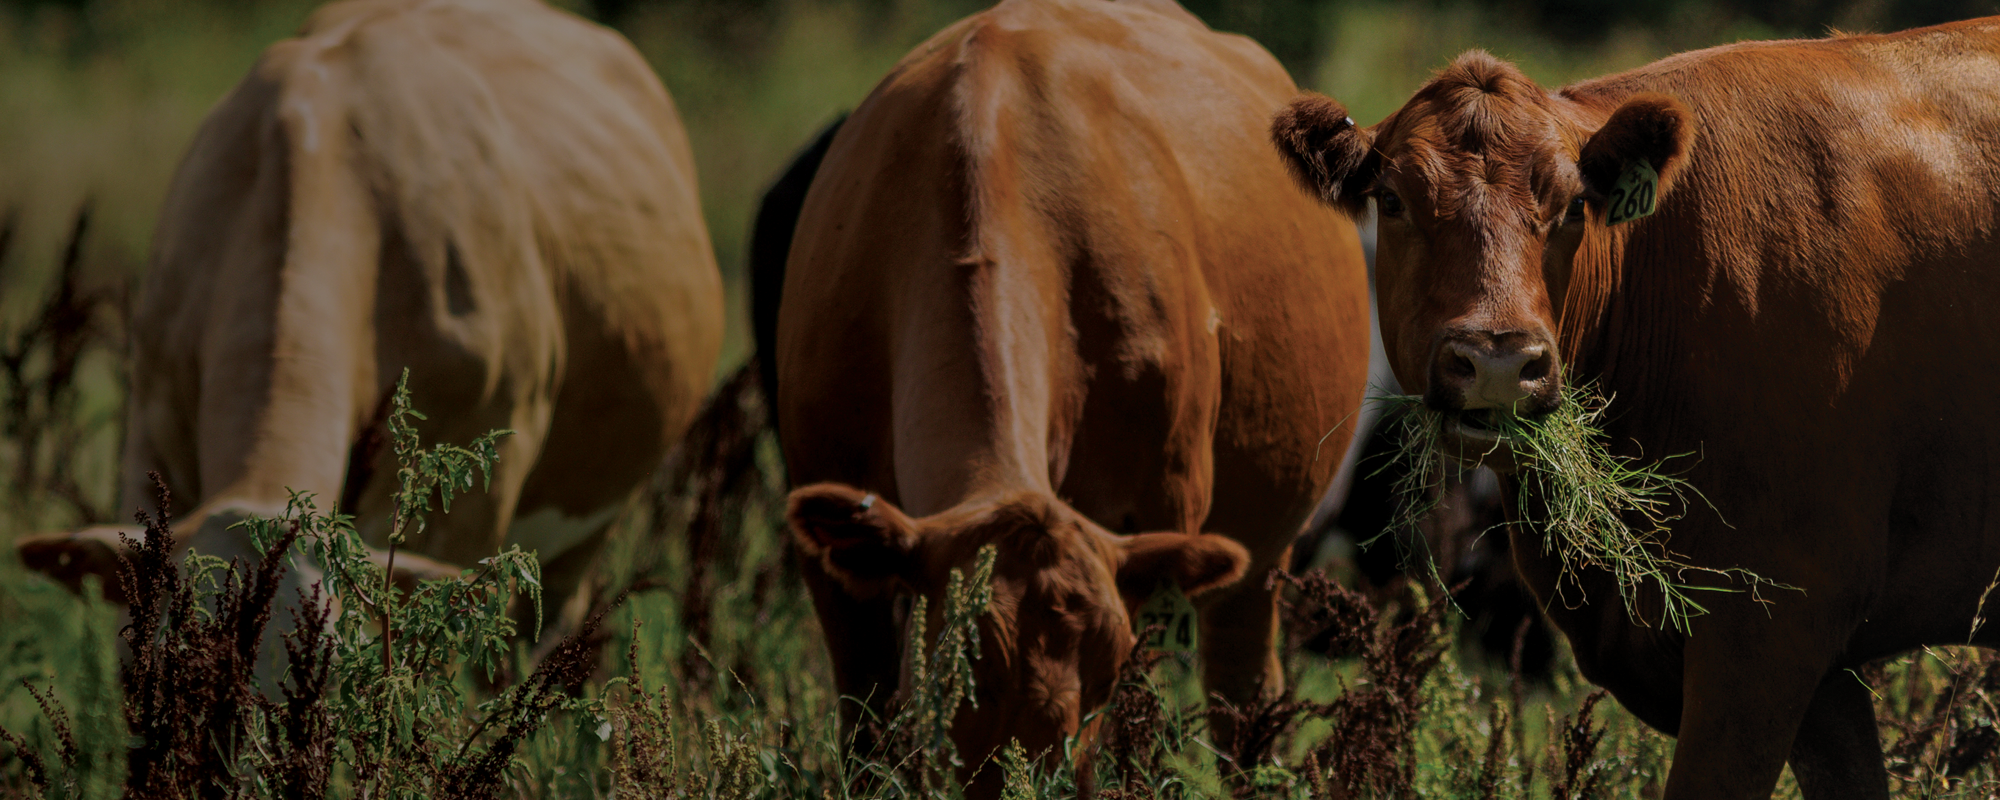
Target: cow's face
(1484,186)
(1064,590)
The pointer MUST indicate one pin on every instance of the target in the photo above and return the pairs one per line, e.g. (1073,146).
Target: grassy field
(713,680)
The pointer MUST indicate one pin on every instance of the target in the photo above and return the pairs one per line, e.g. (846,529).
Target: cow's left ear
(1198,563)
(1651,127)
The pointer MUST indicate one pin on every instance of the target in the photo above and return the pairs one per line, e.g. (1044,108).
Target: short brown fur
(1052,272)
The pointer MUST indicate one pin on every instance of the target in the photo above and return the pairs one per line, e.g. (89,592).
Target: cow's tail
(770,244)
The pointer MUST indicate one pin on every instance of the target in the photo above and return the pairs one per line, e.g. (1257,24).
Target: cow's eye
(1388,204)
(1576,210)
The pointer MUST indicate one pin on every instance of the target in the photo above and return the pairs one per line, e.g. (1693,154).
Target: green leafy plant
(377,678)
(407,726)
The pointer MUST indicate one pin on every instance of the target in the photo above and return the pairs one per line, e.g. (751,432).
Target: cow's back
(1053,240)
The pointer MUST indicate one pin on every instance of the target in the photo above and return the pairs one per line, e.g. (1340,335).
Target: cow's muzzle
(1478,378)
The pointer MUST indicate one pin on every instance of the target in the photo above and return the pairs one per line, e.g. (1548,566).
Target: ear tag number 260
(1635,195)
(1171,610)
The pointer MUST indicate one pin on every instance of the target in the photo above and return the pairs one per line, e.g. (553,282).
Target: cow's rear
(496,196)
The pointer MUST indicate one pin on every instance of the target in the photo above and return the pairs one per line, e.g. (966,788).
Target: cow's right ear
(860,539)
(1328,154)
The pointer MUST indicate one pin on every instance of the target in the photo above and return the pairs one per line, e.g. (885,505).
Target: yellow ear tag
(1635,195)
(1170,609)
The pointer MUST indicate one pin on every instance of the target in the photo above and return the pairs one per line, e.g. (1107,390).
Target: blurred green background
(99,97)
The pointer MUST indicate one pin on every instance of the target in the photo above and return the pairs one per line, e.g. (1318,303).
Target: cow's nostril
(1537,368)
(1458,366)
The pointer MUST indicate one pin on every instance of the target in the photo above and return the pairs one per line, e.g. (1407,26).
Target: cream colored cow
(496,195)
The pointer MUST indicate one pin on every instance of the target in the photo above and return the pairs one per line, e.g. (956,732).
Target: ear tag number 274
(1635,195)
(1171,610)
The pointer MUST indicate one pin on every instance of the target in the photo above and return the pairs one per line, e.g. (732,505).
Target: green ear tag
(1635,195)
(1174,613)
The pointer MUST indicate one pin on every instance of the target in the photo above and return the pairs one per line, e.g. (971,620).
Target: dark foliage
(37,770)
(1493,765)
(191,681)
(197,713)
(1459,540)
(1587,20)
(39,363)
(643,750)
(305,750)
(1574,769)
(719,459)
(1369,752)
(1290,29)
(1134,724)
(66,749)
(1949,731)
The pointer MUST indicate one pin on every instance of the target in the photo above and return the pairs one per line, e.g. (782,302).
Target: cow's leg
(1838,752)
(862,639)
(1258,502)
(1745,694)
(1239,644)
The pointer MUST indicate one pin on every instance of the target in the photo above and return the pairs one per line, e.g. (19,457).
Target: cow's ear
(1651,127)
(860,539)
(1330,155)
(1199,563)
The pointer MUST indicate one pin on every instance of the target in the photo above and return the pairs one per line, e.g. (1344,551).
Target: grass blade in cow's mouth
(1595,510)
(1481,420)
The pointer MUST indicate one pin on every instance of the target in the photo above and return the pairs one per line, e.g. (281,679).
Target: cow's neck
(975,391)
(1612,334)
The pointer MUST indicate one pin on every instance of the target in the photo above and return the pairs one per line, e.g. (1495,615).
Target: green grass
(1594,510)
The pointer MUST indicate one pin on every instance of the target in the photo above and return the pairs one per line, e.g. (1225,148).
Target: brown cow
(1807,309)
(495,195)
(1051,285)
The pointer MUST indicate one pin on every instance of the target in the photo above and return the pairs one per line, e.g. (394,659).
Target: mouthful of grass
(1594,510)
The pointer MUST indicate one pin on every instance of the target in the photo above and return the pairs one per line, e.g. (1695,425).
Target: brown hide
(1050,270)
(495,195)
(1806,311)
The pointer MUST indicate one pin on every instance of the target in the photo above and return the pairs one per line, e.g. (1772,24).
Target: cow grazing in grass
(1051,288)
(1808,310)
(496,196)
